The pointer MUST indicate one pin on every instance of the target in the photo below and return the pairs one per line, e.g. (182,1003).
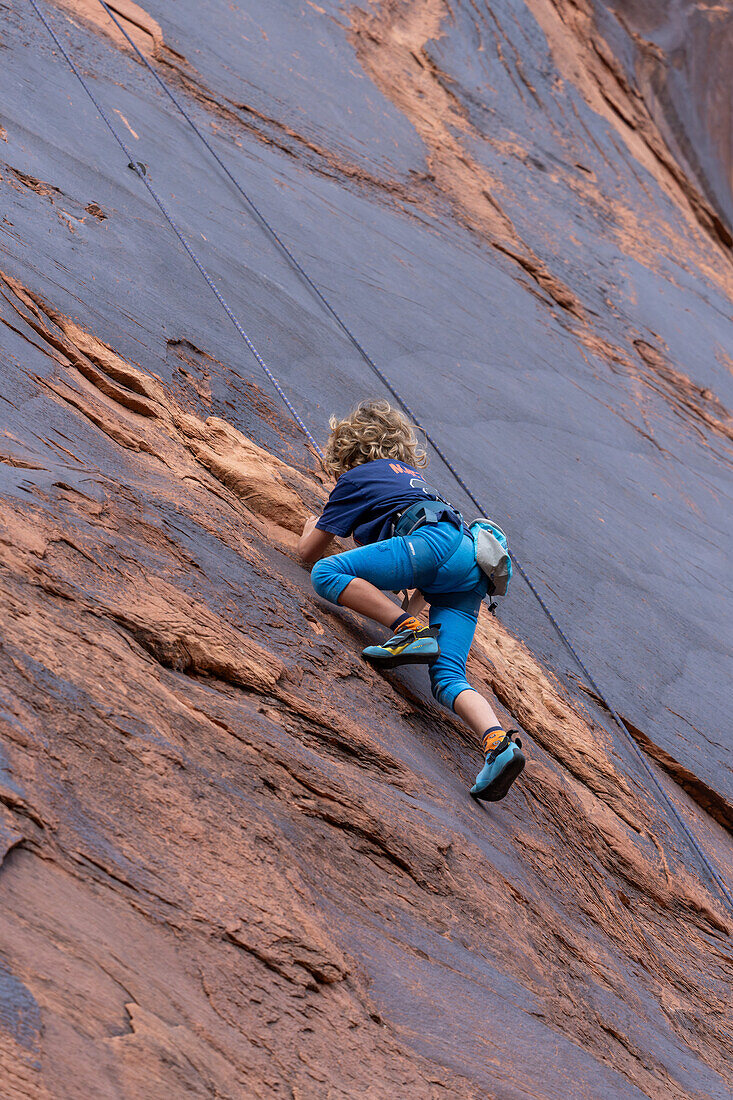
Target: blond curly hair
(373,430)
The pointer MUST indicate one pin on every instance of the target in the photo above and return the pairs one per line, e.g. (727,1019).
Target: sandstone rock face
(234,860)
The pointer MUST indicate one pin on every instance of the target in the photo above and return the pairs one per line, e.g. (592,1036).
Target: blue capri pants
(440,561)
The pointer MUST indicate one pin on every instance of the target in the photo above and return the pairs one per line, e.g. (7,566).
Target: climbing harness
(424,512)
(141,172)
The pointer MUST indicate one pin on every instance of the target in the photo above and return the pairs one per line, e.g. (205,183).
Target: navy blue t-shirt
(365,499)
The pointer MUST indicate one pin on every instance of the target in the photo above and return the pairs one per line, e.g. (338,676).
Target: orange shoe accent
(492,739)
(410,624)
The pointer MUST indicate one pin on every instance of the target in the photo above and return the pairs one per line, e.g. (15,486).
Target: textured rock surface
(235,861)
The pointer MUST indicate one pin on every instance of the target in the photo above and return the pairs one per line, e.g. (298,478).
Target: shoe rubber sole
(394,662)
(498,790)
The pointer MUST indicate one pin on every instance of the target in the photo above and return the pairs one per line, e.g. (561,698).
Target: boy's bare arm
(313,542)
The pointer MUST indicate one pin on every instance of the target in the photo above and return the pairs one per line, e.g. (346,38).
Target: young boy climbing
(407,537)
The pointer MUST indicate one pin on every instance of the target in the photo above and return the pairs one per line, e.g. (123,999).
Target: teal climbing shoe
(503,765)
(406,647)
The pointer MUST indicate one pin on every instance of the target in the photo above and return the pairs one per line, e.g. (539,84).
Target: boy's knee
(438,685)
(329,579)
(438,691)
(321,577)
(446,687)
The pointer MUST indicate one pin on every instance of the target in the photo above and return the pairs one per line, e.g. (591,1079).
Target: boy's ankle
(492,738)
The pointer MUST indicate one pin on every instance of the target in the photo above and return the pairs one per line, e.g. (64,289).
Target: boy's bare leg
(359,595)
(475,711)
